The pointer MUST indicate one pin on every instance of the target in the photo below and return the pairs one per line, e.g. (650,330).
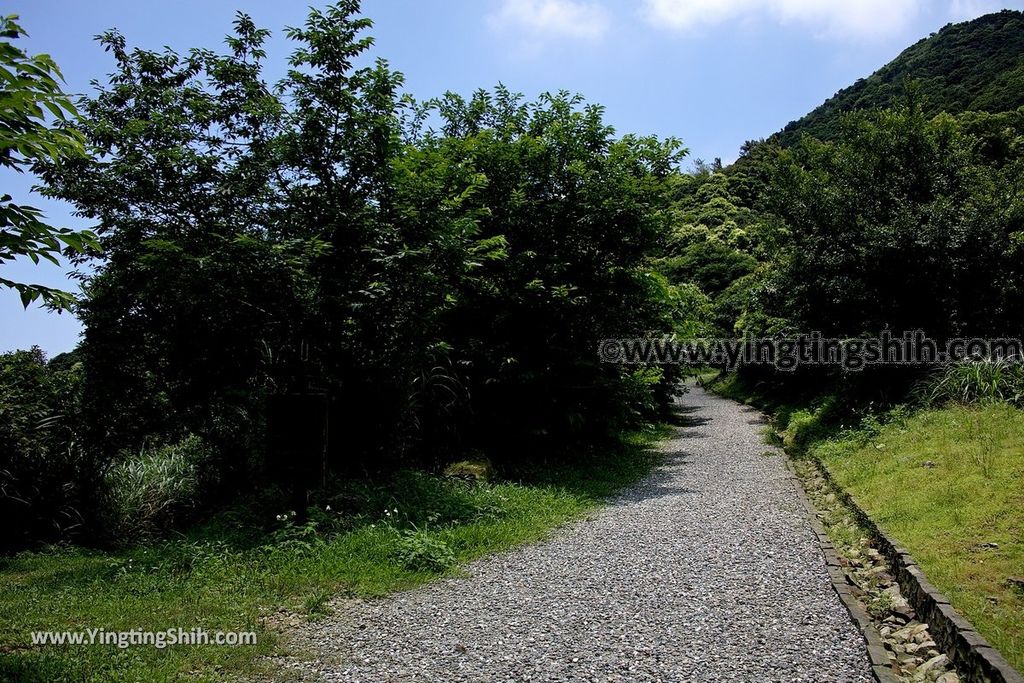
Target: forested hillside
(973,66)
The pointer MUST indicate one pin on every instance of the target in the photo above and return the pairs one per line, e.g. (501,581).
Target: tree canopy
(36,125)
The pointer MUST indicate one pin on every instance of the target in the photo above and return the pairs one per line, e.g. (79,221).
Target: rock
(903,634)
(1016,582)
(934,663)
(904,612)
(853,578)
(894,592)
(948,677)
(475,469)
(928,464)
(884,578)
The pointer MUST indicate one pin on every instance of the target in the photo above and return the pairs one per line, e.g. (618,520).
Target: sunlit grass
(945,483)
(228,582)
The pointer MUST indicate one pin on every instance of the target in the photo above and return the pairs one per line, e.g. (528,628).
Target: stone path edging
(880,666)
(969,651)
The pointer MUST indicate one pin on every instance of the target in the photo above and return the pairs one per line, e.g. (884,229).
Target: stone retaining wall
(972,655)
(876,649)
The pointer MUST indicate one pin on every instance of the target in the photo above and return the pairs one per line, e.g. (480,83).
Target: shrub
(801,426)
(805,426)
(46,480)
(476,469)
(976,381)
(420,551)
(154,490)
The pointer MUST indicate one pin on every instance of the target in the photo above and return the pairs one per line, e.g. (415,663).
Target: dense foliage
(325,271)
(972,66)
(46,479)
(439,274)
(715,245)
(902,223)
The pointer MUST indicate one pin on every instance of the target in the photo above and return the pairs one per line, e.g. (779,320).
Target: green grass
(378,539)
(943,483)
(795,423)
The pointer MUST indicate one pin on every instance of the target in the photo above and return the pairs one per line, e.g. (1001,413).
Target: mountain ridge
(975,65)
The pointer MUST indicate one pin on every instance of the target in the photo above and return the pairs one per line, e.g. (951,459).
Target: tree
(903,222)
(30,94)
(580,213)
(314,235)
(715,243)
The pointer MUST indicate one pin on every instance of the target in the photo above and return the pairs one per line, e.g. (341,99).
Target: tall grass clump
(982,380)
(156,489)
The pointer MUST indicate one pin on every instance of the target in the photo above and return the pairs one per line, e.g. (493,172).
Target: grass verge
(374,540)
(949,485)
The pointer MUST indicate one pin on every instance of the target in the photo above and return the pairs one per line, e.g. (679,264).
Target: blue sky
(712,72)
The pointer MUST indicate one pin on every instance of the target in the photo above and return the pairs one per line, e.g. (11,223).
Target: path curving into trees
(706,571)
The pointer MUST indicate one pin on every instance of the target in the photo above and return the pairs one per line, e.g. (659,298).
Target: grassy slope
(219,581)
(974,494)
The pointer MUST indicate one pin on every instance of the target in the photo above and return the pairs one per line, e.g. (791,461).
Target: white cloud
(572,18)
(854,19)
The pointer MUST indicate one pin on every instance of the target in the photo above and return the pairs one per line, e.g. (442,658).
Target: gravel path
(706,571)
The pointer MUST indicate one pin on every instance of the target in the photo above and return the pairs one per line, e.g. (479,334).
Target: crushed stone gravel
(705,571)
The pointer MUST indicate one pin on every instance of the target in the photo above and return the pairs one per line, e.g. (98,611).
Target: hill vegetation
(973,66)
